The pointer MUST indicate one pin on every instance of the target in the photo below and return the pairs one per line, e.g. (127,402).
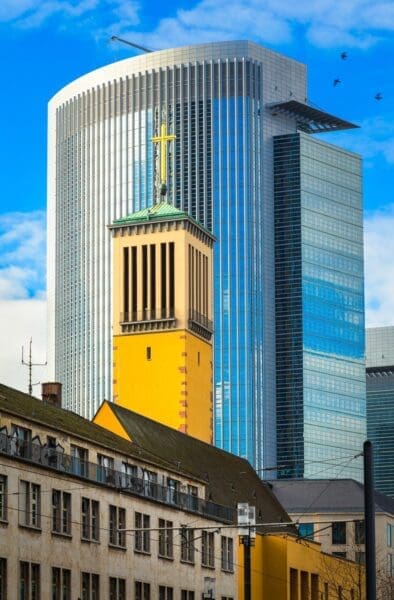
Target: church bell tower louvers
(162,327)
(162,319)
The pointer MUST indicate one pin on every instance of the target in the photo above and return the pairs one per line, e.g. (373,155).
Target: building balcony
(148,319)
(200,324)
(51,458)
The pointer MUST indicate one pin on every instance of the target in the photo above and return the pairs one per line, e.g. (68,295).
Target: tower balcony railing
(52,458)
(149,314)
(198,321)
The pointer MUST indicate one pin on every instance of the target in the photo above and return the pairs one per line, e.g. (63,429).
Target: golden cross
(163,140)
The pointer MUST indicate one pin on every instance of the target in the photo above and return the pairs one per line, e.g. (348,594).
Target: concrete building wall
(38,543)
(350,549)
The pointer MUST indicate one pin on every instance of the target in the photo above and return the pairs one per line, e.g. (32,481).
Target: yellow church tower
(162,318)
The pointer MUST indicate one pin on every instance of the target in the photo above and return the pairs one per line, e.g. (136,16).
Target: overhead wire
(217,557)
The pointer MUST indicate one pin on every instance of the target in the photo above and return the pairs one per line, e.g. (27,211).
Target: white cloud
(374,139)
(22,255)
(22,290)
(21,320)
(379,267)
(12,9)
(326,23)
(126,11)
(32,13)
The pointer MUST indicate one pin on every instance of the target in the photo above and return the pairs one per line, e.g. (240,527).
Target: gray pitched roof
(229,478)
(326,495)
(24,406)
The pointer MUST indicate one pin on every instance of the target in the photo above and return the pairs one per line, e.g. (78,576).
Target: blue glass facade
(380,404)
(321,418)
(380,425)
(102,166)
(238,289)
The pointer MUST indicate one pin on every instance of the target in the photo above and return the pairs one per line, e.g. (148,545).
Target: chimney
(51,393)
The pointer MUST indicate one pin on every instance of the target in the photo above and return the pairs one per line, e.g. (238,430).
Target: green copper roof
(157,212)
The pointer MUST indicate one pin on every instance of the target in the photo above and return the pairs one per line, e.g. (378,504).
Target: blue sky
(47,43)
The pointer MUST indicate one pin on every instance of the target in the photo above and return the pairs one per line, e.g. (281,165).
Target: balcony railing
(200,319)
(52,458)
(149,314)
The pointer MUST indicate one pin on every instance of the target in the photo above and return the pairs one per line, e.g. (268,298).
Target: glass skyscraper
(225,102)
(319,308)
(380,404)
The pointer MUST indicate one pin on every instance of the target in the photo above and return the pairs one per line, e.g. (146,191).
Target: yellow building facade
(162,318)
(285,567)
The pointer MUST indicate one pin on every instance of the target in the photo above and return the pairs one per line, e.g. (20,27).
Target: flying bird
(344,55)
(378,96)
(336,82)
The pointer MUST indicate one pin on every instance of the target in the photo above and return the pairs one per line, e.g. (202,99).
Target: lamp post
(247,532)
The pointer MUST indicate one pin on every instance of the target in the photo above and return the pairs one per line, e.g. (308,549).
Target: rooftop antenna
(115,38)
(31,364)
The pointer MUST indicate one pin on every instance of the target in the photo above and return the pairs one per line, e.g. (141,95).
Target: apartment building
(331,512)
(85,514)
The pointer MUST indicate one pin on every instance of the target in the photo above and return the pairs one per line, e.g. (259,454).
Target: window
(29,581)
(51,451)
(142,537)
(79,460)
(325,592)
(117,522)
(166,547)
(61,512)
(207,549)
(166,593)
(117,588)
(142,590)
(339,532)
(390,565)
(20,441)
(129,476)
(187,595)
(148,353)
(388,535)
(3,578)
(314,586)
(305,530)
(192,491)
(340,554)
(29,504)
(150,483)
(359,532)
(187,544)
(90,586)
(61,584)
(304,585)
(3,498)
(360,558)
(172,490)
(105,469)
(293,584)
(90,520)
(227,549)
